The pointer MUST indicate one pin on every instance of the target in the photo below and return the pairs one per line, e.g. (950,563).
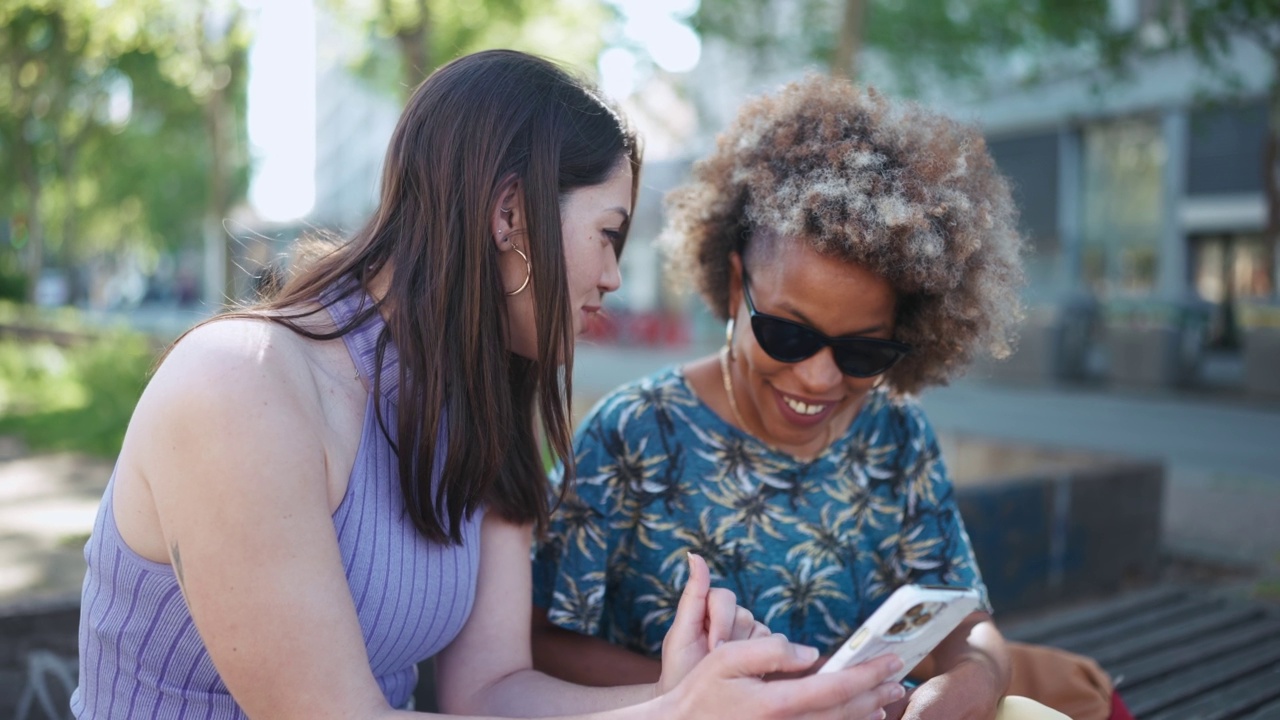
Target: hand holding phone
(910,624)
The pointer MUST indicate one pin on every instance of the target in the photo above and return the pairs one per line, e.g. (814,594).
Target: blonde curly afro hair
(907,193)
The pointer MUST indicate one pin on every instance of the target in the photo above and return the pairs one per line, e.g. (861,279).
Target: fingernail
(805,653)
(719,643)
(897,692)
(895,665)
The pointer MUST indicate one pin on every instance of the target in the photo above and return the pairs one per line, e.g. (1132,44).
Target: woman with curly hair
(859,251)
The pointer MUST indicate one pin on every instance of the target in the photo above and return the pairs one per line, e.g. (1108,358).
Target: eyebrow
(626,216)
(788,307)
(805,319)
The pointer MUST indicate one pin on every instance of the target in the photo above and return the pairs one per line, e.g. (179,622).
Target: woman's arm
(488,668)
(971,674)
(228,442)
(587,660)
(970,668)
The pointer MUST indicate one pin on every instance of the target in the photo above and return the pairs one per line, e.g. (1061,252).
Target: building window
(1227,150)
(1031,164)
(1123,165)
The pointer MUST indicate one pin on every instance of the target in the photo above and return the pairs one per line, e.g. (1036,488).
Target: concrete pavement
(47,507)
(1222,459)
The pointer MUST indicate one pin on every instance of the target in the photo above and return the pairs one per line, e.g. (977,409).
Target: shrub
(77,397)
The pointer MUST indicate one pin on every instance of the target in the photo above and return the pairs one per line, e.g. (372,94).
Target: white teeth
(803,408)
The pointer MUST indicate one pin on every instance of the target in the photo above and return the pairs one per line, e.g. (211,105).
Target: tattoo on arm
(177,565)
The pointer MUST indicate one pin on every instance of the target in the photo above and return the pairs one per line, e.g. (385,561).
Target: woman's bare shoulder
(238,352)
(233,407)
(234,370)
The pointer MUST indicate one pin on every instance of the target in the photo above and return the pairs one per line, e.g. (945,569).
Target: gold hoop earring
(528,271)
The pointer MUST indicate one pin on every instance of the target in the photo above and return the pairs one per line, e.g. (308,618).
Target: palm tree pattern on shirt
(810,547)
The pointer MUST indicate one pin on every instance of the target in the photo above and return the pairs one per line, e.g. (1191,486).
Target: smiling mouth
(803,408)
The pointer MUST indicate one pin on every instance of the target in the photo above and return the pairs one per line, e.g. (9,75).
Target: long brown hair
(469,128)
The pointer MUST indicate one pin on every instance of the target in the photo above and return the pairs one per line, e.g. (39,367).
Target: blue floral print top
(810,547)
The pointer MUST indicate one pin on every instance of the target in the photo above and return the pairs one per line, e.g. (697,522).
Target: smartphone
(910,624)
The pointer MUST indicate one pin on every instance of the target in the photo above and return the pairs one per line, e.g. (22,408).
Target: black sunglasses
(791,342)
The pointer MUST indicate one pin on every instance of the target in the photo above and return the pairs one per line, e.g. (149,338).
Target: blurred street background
(159,157)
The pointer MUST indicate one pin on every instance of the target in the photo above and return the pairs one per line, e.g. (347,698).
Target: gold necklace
(737,414)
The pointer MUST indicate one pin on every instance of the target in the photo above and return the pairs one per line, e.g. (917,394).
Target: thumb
(762,656)
(691,613)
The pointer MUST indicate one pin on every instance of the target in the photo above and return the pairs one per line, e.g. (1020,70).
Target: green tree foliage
(967,41)
(207,52)
(69,385)
(52,98)
(158,165)
(72,398)
(108,118)
(410,38)
(953,39)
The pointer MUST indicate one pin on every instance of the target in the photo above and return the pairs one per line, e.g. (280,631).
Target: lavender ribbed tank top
(140,654)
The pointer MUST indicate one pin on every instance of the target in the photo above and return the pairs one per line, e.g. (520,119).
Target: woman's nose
(611,276)
(818,373)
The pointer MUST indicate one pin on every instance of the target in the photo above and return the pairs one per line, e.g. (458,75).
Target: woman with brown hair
(318,492)
(859,251)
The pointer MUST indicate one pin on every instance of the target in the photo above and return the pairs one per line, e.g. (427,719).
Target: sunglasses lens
(784,341)
(866,360)
(790,342)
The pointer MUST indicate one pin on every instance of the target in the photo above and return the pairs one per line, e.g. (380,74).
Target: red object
(643,329)
(1119,711)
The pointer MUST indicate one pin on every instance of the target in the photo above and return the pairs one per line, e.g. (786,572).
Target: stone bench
(38,640)
(1050,526)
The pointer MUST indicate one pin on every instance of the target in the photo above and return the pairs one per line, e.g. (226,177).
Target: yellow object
(1014,707)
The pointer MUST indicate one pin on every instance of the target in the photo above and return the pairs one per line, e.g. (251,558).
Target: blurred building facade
(354,122)
(1144,203)
(1151,189)
(1142,197)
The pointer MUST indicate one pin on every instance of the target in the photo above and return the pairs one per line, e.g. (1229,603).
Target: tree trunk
(35,230)
(414,43)
(222,273)
(844,59)
(219,285)
(69,169)
(67,257)
(1271,238)
(27,165)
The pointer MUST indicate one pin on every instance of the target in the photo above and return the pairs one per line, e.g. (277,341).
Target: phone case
(909,624)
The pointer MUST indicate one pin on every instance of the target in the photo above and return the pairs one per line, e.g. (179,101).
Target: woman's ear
(735,284)
(507,218)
